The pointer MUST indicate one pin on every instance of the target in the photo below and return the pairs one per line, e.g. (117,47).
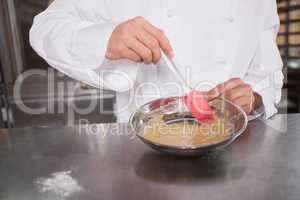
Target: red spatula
(194,100)
(198,106)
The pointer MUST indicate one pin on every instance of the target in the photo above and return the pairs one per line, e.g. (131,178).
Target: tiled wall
(289,44)
(294,25)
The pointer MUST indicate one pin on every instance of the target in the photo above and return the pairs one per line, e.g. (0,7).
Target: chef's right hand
(139,41)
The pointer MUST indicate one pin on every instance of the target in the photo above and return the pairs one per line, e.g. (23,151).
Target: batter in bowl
(186,133)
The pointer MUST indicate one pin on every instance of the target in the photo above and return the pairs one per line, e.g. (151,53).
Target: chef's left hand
(238,92)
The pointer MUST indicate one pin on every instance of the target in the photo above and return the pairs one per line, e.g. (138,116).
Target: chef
(224,47)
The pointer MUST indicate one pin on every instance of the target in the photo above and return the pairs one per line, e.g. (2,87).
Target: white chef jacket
(213,41)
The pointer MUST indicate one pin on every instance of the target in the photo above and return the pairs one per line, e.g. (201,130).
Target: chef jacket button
(229,19)
(222,62)
(170,13)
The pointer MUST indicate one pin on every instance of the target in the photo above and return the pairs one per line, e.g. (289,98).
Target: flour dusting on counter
(60,183)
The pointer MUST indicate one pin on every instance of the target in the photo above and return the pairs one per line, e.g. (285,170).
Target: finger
(221,88)
(247,109)
(140,49)
(131,55)
(208,96)
(213,93)
(239,91)
(232,83)
(150,41)
(242,101)
(112,56)
(164,43)
(245,102)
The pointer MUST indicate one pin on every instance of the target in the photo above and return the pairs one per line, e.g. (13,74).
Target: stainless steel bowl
(170,107)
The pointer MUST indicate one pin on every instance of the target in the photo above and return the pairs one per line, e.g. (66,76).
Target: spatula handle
(173,66)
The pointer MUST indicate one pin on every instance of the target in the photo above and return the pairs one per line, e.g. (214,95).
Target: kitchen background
(62,96)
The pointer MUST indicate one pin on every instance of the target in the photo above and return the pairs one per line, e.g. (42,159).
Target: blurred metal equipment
(17,57)
(11,49)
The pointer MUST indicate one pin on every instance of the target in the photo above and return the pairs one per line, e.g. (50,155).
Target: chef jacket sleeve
(265,73)
(72,36)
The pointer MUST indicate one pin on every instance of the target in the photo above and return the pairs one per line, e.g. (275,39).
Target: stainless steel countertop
(263,163)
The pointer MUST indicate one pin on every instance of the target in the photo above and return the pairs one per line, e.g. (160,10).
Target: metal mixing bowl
(170,108)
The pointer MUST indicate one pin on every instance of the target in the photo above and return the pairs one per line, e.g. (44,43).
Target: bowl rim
(191,147)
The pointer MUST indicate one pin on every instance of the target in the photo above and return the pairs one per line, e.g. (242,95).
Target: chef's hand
(139,41)
(238,92)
